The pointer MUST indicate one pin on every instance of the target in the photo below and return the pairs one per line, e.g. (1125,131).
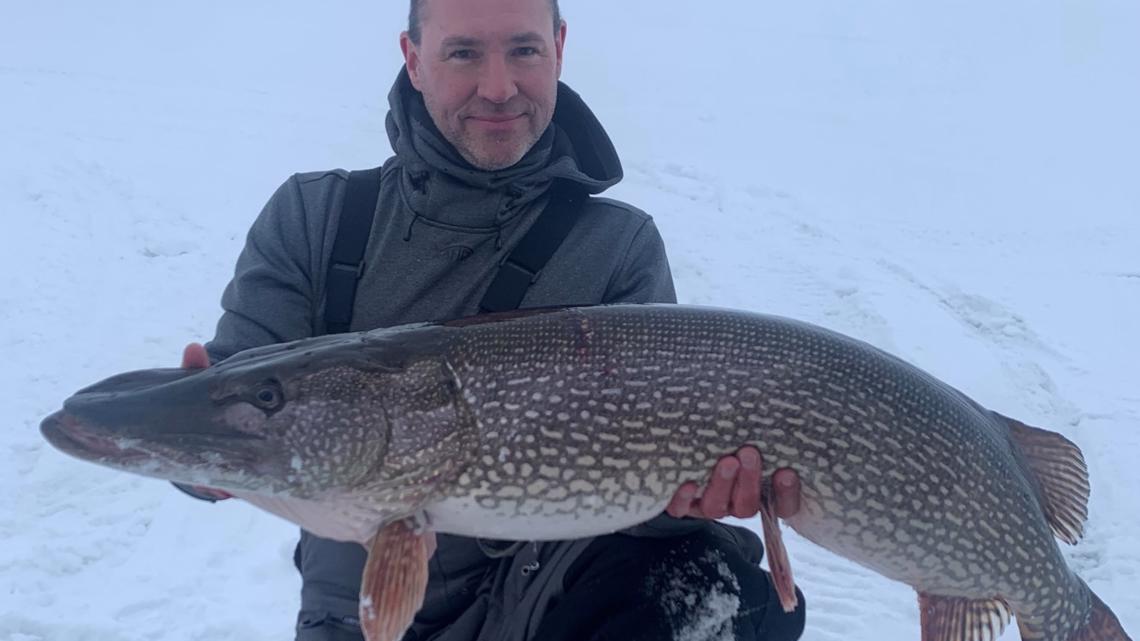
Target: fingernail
(749,459)
(729,468)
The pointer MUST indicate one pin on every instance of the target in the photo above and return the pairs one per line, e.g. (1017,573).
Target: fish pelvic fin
(778,562)
(395,579)
(1061,474)
(945,618)
(1100,624)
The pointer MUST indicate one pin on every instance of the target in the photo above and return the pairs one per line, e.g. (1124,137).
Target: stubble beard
(487,152)
(494,152)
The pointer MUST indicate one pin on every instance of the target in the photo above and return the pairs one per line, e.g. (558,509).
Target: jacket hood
(439,185)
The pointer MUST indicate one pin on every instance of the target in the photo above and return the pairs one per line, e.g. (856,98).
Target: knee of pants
(698,582)
(777,625)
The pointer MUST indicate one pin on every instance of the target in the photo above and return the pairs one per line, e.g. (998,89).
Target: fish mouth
(225,462)
(171,424)
(72,436)
(147,410)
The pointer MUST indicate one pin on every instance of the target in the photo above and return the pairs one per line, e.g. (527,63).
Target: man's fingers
(194,356)
(786,492)
(746,490)
(735,488)
(682,503)
(718,492)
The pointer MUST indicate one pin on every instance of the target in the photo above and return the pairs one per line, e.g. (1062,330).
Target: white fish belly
(331,520)
(539,520)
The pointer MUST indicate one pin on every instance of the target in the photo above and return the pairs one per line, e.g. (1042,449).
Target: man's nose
(497,83)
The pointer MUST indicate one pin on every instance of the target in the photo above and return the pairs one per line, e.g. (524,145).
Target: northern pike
(556,424)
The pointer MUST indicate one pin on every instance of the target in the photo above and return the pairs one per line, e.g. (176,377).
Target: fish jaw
(227,462)
(68,434)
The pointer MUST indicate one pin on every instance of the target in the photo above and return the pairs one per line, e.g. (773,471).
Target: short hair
(417,8)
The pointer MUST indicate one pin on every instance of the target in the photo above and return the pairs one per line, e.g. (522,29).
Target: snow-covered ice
(953,182)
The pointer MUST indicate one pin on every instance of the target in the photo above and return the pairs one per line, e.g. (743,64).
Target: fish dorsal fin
(1062,475)
(394,581)
(947,618)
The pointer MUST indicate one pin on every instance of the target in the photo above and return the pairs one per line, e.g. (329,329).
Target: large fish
(582,421)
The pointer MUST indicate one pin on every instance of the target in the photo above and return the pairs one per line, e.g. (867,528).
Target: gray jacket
(441,229)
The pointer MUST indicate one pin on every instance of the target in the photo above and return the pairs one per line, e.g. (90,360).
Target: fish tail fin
(1100,625)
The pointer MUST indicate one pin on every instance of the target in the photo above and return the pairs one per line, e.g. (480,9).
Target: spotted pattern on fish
(554,424)
(900,472)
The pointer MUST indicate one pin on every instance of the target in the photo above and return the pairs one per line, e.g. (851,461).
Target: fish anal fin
(1062,475)
(1101,624)
(394,581)
(945,618)
(778,562)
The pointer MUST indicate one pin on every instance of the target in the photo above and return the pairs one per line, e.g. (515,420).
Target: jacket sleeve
(271,298)
(644,275)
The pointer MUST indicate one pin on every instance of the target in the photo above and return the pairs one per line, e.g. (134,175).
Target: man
(478,146)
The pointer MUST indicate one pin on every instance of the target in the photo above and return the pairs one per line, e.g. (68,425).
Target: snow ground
(953,183)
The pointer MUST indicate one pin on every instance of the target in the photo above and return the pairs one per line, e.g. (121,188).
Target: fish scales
(900,472)
(851,473)
(562,423)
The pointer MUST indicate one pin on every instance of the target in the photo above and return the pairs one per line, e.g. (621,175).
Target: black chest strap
(514,277)
(346,264)
(523,265)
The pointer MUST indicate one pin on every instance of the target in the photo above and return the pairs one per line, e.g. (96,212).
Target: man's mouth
(497,119)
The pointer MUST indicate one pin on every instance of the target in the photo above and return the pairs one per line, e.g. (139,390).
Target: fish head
(308,419)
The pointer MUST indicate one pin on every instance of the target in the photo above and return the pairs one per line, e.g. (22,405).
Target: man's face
(488,71)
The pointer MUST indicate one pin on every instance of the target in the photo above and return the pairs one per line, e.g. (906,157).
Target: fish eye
(268,395)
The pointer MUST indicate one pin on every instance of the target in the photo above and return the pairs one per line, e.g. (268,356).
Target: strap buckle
(356,270)
(522,271)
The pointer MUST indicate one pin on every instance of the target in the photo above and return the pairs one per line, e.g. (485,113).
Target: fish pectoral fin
(394,581)
(778,562)
(946,618)
(1062,475)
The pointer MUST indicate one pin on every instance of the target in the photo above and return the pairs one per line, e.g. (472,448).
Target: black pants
(697,587)
(625,588)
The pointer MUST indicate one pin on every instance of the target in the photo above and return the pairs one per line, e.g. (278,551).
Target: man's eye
(462,54)
(526,51)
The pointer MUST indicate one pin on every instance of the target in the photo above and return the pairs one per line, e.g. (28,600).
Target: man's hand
(195,357)
(734,490)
